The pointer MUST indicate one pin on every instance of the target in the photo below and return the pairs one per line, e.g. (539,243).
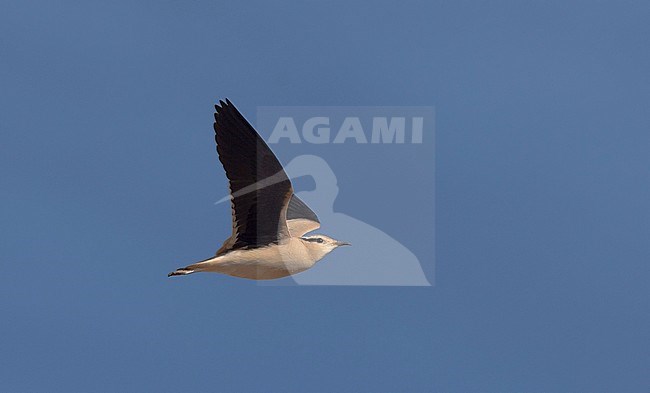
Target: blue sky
(109,174)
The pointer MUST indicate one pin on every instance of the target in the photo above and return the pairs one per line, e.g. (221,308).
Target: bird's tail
(181,272)
(193,268)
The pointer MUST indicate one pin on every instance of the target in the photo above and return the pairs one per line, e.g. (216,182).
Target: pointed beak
(339,244)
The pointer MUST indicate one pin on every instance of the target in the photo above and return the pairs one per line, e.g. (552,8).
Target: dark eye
(319,240)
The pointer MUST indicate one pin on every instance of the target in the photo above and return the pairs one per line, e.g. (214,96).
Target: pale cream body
(292,255)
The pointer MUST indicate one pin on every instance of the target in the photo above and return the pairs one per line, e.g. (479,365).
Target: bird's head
(321,245)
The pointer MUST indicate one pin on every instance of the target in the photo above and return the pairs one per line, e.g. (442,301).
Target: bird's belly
(260,264)
(257,271)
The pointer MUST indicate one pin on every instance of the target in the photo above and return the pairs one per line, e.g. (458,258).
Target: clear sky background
(109,175)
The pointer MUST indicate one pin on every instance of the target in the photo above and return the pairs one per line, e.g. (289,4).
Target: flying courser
(269,222)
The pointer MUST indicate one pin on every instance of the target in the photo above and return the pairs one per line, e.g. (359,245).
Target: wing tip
(220,109)
(223,104)
(225,108)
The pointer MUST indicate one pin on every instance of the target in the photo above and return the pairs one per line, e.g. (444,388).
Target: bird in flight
(269,222)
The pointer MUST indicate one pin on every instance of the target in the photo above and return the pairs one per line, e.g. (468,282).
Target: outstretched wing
(260,189)
(300,218)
